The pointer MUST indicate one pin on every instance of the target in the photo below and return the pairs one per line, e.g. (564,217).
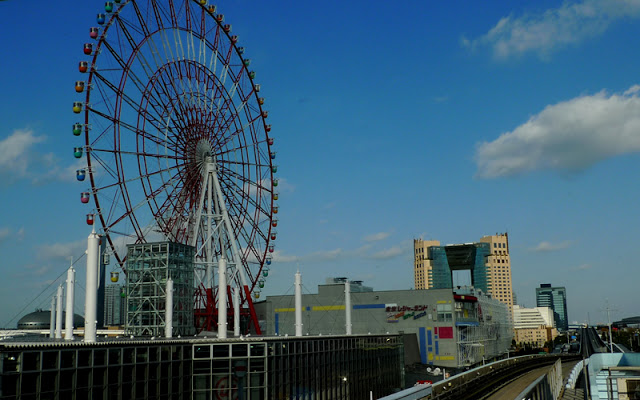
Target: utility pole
(608,310)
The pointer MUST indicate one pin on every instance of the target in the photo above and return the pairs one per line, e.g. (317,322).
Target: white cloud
(376,237)
(8,233)
(553,29)
(59,251)
(582,267)
(568,136)
(388,253)
(4,234)
(548,246)
(15,151)
(19,159)
(279,256)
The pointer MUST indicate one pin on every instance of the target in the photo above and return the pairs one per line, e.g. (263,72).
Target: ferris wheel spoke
(129,213)
(180,205)
(139,55)
(245,146)
(231,162)
(241,193)
(134,179)
(246,127)
(140,154)
(104,164)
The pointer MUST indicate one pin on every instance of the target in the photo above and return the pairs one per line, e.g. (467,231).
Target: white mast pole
(71,283)
(52,319)
(222,298)
(59,313)
(168,318)
(347,305)
(298,301)
(91,298)
(236,312)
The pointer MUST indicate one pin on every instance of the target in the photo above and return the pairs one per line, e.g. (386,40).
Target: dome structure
(40,319)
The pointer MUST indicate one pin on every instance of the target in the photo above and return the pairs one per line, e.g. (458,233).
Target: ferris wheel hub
(203,155)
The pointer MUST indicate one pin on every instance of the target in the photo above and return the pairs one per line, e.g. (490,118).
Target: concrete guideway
(483,382)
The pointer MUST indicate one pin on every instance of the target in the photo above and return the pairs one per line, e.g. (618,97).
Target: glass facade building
(472,257)
(556,299)
(114,305)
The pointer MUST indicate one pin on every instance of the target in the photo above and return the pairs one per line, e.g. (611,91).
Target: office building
(556,299)
(488,261)
(533,325)
(114,305)
(532,317)
(537,336)
(422,265)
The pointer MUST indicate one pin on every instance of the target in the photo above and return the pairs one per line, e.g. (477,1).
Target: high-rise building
(499,268)
(532,317)
(114,302)
(422,267)
(556,299)
(488,261)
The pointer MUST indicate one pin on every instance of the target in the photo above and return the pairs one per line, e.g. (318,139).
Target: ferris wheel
(176,142)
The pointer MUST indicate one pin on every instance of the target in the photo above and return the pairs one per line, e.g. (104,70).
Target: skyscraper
(556,299)
(422,264)
(488,261)
(499,268)
(114,305)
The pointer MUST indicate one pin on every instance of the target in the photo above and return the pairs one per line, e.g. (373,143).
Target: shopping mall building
(442,327)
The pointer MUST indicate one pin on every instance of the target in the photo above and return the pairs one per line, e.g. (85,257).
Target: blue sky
(393,121)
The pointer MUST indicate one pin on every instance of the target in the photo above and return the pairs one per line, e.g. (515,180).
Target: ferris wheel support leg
(229,229)
(222,299)
(252,311)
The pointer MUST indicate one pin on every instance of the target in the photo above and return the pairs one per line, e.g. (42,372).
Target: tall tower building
(499,269)
(422,265)
(556,299)
(488,260)
(114,303)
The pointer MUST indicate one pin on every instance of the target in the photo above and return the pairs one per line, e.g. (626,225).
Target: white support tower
(59,313)
(236,312)
(347,306)
(68,323)
(222,298)
(219,249)
(168,319)
(91,298)
(52,318)
(298,302)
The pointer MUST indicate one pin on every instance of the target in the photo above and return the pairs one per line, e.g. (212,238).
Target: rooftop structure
(148,267)
(40,320)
